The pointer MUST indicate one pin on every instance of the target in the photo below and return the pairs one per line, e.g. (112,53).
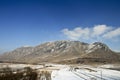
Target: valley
(61,60)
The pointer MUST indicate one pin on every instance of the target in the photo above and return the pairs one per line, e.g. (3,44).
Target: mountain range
(64,51)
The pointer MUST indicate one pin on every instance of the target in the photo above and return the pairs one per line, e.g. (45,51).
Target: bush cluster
(24,74)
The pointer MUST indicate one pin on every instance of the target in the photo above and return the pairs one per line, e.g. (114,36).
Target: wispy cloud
(112,33)
(100,29)
(97,31)
(76,33)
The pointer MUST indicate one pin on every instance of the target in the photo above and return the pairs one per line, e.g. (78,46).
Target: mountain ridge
(58,51)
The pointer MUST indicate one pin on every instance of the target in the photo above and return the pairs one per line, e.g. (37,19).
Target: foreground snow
(64,74)
(72,72)
(88,73)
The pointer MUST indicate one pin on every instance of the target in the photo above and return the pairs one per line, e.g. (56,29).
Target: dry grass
(24,74)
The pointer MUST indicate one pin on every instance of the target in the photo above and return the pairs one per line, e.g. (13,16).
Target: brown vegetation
(24,74)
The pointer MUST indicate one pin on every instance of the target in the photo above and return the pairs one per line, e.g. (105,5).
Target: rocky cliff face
(60,51)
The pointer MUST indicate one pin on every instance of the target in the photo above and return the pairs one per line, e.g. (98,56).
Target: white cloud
(98,31)
(76,33)
(113,33)
(26,46)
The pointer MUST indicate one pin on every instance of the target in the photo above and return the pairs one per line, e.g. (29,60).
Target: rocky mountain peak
(97,46)
(100,45)
(57,46)
(59,50)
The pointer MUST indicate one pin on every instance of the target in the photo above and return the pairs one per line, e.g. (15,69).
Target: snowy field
(85,74)
(71,72)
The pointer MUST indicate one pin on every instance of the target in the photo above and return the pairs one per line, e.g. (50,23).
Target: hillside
(63,52)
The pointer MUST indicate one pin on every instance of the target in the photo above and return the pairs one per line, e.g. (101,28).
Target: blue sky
(31,22)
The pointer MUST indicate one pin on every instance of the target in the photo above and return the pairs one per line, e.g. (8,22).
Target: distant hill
(63,52)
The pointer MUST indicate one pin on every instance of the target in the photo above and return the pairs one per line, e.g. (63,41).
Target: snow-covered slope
(95,46)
